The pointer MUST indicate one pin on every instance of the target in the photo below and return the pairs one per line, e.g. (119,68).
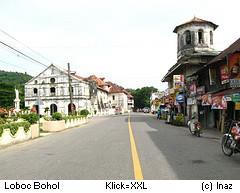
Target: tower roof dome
(195,20)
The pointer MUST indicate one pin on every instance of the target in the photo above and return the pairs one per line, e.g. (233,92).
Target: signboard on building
(219,102)
(237,106)
(200,90)
(236,97)
(206,100)
(224,74)
(180,98)
(178,81)
(234,83)
(228,97)
(234,66)
(192,89)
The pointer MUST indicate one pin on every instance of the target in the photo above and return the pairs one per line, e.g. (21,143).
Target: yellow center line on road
(136,162)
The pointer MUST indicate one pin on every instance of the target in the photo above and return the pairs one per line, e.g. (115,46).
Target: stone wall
(7,138)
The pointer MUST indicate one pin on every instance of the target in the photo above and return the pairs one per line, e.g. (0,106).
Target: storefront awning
(226,92)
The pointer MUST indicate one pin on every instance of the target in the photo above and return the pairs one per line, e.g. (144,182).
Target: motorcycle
(231,140)
(194,127)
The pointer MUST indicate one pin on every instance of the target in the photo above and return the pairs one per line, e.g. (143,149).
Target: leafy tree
(8,82)
(142,96)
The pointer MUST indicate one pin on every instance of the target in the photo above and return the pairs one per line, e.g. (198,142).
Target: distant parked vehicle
(146,110)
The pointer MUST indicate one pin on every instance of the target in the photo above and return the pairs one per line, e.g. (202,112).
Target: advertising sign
(180,98)
(178,81)
(234,83)
(236,97)
(234,66)
(224,74)
(228,97)
(237,106)
(219,102)
(200,90)
(192,89)
(206,100)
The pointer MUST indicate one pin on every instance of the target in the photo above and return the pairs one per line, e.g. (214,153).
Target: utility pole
(70,88)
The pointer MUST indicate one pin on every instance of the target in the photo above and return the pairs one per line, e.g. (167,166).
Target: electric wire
(25,55)
(7,34)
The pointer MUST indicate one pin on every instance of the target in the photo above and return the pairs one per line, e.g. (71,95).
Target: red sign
(234,66)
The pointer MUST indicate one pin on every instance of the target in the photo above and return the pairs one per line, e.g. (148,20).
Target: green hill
(8,82)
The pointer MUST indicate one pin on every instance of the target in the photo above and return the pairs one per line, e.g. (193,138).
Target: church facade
(48,92)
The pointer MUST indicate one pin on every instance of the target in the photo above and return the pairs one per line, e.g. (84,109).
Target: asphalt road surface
(119,148)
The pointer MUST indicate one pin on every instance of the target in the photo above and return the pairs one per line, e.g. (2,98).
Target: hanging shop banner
(180,98)
(200,90)
(234,83)
(192,89)
(206,100)
(178,81)
(236,97)
(224,74)
(234,66)
(219,102)
(228,97)
(237,106)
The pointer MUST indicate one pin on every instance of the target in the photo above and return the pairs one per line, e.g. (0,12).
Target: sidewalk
(212,133)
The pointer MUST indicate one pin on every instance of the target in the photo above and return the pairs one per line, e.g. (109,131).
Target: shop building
(195,48)
(220,82)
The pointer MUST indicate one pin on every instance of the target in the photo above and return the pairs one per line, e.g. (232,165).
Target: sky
(129,42)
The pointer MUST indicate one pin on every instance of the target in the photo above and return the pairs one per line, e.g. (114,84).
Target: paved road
(102,150)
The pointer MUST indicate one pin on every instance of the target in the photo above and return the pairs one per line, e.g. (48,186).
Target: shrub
(179,120)
(84,112)
(57,116)
(2,121)
(14,127)
(72,117)
(47,118)
(1,130)
(31,118)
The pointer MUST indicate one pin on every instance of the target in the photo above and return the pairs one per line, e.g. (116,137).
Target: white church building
(50,91)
